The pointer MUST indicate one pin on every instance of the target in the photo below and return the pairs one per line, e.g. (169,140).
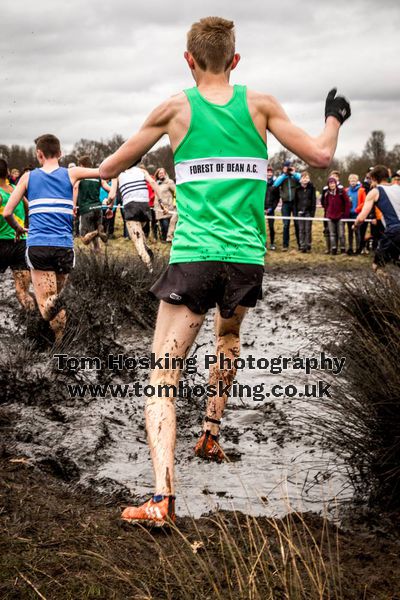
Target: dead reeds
(363,420)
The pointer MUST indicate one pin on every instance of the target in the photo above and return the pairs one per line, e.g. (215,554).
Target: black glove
(337,106)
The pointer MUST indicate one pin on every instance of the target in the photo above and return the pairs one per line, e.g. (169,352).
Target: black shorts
(51,258)
(388,247)
(90,221)
(12,254)
(137,211)
(203,285)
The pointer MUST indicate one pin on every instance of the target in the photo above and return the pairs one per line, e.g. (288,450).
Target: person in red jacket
(324,192)
(337,207)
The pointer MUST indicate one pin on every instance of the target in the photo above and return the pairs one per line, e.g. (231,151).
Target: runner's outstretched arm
(315,151)
(78,173)
(155,126)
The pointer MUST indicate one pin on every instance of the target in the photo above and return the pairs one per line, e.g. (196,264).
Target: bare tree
(375,148)
(162,157)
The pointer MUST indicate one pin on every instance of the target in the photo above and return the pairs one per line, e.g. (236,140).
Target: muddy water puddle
(275,463)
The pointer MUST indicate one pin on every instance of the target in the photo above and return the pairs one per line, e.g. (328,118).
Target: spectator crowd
(289,194)
(296,196)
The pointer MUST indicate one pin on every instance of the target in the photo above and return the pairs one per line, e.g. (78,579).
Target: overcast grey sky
(91,69)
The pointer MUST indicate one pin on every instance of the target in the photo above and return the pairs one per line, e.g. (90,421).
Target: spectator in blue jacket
(352,192)
(287,183)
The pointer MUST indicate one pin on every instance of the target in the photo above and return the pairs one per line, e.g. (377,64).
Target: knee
(165,377)
(228,329)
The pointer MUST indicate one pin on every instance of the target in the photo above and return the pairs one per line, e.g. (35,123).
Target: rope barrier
(277,217)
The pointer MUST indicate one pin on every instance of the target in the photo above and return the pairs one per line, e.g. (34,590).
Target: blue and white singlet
(50,208)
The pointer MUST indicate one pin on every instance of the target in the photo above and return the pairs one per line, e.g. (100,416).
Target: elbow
(321,159)
(106,171)
(7,213)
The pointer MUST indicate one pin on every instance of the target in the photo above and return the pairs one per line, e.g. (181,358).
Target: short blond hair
(211,41)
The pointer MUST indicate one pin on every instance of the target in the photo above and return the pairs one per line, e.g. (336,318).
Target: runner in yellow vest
(218,136)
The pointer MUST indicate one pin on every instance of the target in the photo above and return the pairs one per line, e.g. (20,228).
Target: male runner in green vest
(90,207)
(218,136)
(12,249)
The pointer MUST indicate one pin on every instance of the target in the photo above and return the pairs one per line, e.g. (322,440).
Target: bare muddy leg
(22,280)
(176,330)
(228,343)
(48,286)
(102,234)
(135,231)
(96,245)
(89,237)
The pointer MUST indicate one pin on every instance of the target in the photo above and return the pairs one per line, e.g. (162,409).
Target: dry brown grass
(364,415)
(70,545)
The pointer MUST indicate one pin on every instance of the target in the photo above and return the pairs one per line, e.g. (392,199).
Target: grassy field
(275,258)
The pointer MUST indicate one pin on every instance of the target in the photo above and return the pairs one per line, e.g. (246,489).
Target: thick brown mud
(276,462)
(69,465)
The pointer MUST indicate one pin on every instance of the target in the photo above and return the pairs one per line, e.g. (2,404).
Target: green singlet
(221,172)
(7,232)
(88,195)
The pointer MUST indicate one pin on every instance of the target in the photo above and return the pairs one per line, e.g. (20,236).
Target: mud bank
(276,463)
(61,543)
